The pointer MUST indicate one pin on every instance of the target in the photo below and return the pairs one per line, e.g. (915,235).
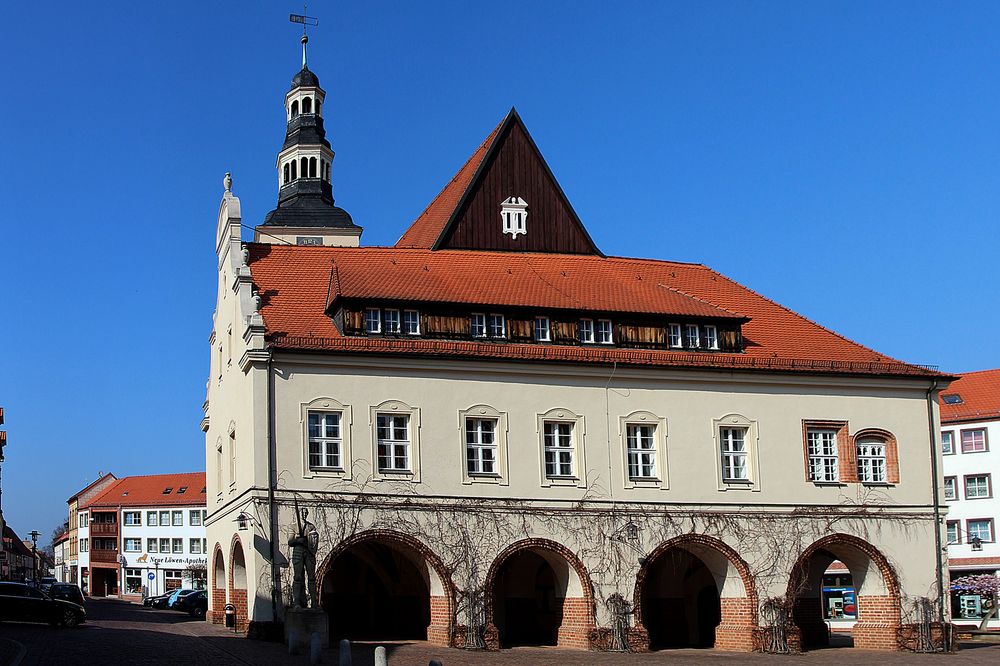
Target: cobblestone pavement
(121,633)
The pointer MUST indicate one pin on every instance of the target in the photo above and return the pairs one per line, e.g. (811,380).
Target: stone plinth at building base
(305,622)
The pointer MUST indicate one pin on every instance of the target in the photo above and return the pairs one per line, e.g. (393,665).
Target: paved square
(118,632)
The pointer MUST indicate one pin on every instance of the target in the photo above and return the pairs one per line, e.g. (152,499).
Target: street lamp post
(34,557)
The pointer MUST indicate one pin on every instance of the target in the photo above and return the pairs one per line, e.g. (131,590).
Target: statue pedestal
(305,622)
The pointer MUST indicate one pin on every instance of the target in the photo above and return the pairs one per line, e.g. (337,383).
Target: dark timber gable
(514,167)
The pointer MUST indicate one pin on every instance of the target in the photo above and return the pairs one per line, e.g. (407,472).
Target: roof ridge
(977,372)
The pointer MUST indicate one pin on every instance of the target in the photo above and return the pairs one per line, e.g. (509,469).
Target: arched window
(294,176)
(295,108)
(305,167)
(286,172)
(876,457)
(312,167)
(307,105)
(317,107)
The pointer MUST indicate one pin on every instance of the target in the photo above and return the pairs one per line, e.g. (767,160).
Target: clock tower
(306,214)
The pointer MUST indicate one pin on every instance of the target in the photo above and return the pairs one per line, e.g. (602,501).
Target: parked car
(23,603)
(67,592)
(195,605)
(177,596)
(45,583)
(159,601)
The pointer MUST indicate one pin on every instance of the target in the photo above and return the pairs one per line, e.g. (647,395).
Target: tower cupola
(306,213)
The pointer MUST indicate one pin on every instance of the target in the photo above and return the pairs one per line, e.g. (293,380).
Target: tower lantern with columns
(306,214)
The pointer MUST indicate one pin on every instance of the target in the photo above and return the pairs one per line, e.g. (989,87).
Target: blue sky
(840,158)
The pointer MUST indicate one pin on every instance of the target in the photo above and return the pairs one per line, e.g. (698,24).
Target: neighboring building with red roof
(142,525)
(502,434)
(970,443)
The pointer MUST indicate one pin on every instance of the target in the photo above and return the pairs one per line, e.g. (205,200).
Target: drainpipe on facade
(272,463)
(937,509)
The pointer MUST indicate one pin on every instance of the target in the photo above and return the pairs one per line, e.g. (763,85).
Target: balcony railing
(102,555)
(109,529)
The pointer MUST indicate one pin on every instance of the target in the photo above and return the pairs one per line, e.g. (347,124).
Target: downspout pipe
(272,514)
(937,502)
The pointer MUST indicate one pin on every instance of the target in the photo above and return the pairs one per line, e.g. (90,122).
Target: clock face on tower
(514,214)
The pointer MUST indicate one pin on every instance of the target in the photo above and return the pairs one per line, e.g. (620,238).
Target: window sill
(737,482)
(835,484)
(877,484)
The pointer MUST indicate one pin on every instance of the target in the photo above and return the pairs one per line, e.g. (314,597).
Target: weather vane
(305,21)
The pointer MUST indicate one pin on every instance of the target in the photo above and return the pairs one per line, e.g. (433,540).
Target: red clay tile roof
(980,393)
(297,283)
(544,281)
(427,228)
(148,491)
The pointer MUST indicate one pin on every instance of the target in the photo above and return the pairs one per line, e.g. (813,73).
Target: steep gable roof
(979,393)
(91,486)
(466,213)
(149,491)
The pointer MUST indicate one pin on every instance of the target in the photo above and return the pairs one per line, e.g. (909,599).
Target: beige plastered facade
(768,524)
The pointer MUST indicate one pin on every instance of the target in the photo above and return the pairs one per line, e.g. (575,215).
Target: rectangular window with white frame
(978,486)
(559,449)
(981,528)
(950,488)
(481,446)
(177,546)
(477,325)
(373,320)
(164,519)
(692,338)
(604,332)
(411,322)
(392,324)
(194,517)
(84,519)
(151,519)
(674,335)
(133,518)
(194,546)
(871,461)
(948,442)
(164,545)
(151,546)
(974,441)
(735,454)
(177,518)
(324,440)
(83,545)
(711,337)
(133,581)
(954,532)
(640,441)
(823,459)
(393,432)
(586,327)
(133,545)
(498,326)
(542,329)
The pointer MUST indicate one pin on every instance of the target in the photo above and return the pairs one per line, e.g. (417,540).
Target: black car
(195,605)
(23,603)
(66,592)
(159,601)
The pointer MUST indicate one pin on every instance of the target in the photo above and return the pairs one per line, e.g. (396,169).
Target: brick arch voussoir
(889,576)
(741,566)
(392,537)
(544,544)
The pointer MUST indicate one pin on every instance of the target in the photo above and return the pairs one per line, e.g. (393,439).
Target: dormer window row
(540,329)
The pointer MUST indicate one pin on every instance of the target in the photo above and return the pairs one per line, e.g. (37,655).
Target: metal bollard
(345,652)
(380,659)
(315,648)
